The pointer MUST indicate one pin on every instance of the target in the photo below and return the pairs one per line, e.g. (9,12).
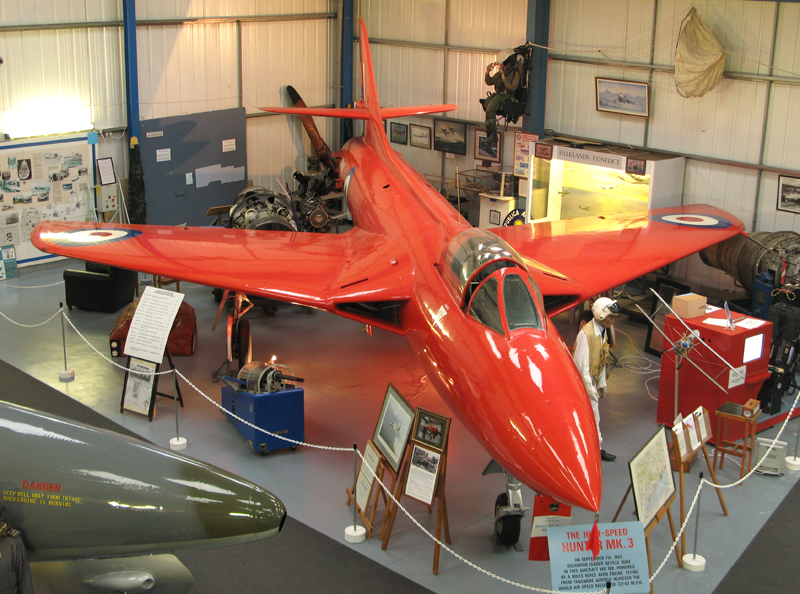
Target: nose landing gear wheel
(506,528)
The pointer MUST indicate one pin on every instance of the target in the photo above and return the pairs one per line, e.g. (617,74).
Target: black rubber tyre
(245,343)
(506,529)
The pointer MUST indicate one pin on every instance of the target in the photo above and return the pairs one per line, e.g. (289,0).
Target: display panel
(753,347)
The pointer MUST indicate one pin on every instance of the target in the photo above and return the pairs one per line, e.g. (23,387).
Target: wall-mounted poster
(50,179)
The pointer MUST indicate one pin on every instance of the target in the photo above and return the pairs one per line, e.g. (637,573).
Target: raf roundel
(86,237)
(702,221)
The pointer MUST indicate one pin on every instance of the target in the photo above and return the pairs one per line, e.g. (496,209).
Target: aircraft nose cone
(239,509)
(544,428)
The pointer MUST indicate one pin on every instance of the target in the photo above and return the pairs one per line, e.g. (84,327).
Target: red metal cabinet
(697,390)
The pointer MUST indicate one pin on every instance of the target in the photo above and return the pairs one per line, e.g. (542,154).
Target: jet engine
(745,259)
(263,210)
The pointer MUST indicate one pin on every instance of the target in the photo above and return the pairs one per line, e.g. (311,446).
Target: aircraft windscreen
(485,306)
(520,309)
(468,253)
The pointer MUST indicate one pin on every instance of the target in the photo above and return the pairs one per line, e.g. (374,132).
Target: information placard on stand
(151,324)
(146,346)
(372,467)
(139,389)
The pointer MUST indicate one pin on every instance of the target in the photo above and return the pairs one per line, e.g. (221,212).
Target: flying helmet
(504,55)
(604,307)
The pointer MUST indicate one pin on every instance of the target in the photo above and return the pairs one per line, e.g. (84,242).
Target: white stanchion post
(793,462)
(355,533)
(66,374)
(177,442)
(695,562)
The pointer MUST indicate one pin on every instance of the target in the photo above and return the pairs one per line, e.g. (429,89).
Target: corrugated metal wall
(188,68)
(183,68)
(418,75)
(46,70)
(732,122)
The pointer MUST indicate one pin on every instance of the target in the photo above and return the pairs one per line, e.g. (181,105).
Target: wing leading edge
(601,252)
(317,270)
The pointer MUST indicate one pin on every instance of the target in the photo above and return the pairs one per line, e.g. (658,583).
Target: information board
(40,181)
(152,323)
(622,559)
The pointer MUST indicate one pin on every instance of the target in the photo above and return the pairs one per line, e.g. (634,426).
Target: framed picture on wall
(420,136)
(789,193)
(484,150)
(636,166)
(543,151)
(623,97)
(450,137)
(398,133)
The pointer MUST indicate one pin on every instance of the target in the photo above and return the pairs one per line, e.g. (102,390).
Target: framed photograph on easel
(430,429)
(394,425)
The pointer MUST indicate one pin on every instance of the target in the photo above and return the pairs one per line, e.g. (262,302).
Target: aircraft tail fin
(368,108)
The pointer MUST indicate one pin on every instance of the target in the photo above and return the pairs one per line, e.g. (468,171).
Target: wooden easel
(368,515)
(685,457)
(649,529)
(441,512)
(665,510)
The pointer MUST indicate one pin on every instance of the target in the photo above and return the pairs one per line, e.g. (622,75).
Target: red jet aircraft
(473,304)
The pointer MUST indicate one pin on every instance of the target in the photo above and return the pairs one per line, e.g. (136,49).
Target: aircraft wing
(597,253)
(314,269)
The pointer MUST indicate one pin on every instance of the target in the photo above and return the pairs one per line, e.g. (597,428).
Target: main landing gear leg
(508,511)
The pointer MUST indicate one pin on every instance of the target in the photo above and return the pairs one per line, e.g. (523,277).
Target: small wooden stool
(734,412)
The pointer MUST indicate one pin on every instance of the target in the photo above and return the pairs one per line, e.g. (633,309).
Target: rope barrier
(5,286)
(31,325)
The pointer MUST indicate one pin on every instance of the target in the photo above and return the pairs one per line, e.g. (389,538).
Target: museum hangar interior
(202,72)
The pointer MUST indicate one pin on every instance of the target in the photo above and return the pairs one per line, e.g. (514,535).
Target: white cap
(604,307)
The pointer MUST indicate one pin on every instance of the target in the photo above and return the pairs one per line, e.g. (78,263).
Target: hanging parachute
(699,58)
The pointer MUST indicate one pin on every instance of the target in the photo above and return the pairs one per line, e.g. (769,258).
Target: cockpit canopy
(492,283)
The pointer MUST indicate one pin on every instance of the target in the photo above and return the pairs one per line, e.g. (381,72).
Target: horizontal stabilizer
(328,112)
(399,112)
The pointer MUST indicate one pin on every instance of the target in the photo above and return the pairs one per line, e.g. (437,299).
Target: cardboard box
(690,305)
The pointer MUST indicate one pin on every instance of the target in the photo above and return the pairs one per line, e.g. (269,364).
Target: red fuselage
(519,392)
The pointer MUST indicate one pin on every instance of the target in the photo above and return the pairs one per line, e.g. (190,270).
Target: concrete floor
(346,373)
